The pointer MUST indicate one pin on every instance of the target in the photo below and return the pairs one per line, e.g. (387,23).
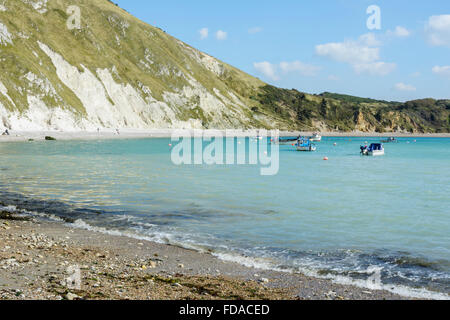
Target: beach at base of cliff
(167,133)
(42,260)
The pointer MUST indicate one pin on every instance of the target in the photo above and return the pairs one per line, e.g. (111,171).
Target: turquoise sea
(342,218)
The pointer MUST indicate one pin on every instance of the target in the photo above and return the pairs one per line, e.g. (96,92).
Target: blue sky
(321,45)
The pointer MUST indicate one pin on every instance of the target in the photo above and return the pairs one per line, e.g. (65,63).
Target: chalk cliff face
(114,71)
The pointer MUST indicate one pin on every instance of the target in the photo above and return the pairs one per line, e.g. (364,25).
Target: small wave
(24,212)
(405,291)
(257,263)
(162,238)
(419,262)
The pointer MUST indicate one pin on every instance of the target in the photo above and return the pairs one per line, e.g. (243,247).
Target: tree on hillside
(324,108)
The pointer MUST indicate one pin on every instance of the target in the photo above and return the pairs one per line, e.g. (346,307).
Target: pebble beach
(37,257)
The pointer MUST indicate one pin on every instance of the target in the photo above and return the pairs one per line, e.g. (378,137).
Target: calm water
(341,218)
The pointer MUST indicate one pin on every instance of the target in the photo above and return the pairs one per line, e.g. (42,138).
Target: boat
(375,149)
(286,141)
(316,137)
(305,144)
(390,140)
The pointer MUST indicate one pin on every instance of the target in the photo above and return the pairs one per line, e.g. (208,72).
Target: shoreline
(22,136)
(36,255)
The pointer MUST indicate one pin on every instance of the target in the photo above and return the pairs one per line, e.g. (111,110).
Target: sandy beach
(167,133)
(37,258)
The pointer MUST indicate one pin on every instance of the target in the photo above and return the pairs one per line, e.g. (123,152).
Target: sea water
(347,218)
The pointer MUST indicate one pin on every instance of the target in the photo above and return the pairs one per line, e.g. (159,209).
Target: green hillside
(119,72)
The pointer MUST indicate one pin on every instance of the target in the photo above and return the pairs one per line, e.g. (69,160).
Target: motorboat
(305,144)
(390,140)
(285,141)
(316,137)
(375,149)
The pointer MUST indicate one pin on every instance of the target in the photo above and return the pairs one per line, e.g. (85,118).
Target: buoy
(325,158)
(170,144)
(335,144)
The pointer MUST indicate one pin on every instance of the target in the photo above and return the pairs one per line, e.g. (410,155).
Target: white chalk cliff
(113,72)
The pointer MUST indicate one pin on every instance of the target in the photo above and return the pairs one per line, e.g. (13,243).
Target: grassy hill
(329,111)
(119,72)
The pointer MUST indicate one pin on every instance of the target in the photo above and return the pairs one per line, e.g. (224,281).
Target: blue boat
(304,144)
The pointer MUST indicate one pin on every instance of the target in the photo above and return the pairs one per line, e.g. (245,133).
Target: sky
(391,50)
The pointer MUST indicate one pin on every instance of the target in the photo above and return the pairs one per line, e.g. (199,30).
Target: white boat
(316,137)
(375,149)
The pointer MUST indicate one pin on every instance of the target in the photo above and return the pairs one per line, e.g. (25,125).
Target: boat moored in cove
(390,140)
(286,141)
(305,144)
(316,137)
(375,149)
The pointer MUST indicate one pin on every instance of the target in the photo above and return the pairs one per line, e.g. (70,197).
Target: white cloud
(438,30)
(378,68)
(255,30)
(363,55)
(349,51)
(267,69)
(369,39)
(416,74)
(221,35)
(304,69)
(400,32)
(204,33)
(442,70)
(404,87)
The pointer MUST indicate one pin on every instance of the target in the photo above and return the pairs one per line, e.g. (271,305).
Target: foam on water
(405,291)
(22,212)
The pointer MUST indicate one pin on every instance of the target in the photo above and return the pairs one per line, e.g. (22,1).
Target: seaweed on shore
(5,215)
